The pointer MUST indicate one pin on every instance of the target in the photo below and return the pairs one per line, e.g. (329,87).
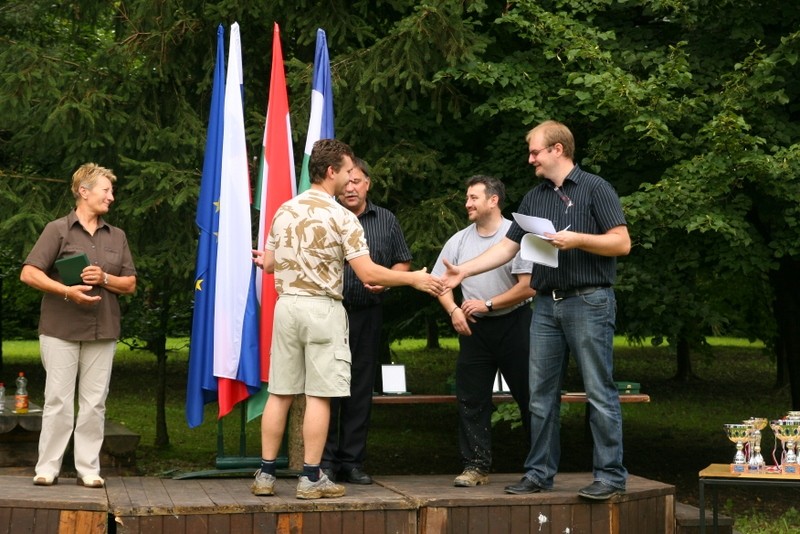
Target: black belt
(560,294)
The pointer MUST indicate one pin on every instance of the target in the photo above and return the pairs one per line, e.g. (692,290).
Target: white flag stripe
(234,260)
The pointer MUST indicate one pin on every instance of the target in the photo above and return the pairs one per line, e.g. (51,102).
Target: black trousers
(346,446)
(496,343)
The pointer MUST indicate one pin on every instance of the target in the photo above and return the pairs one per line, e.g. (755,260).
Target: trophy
(787,431)
(738,433)
(754,458)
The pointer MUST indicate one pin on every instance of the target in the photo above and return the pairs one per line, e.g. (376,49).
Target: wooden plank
(499,518)
(458,522)
(401,521)
(520,519)
(433,520)
(478,519)
(353,522)
(568,398)
(22,516)
(175,523)
(374,522)
(264,523)
(219,524)
(330,523)
(46,522)
(312,523)
(581,517)
(291,523)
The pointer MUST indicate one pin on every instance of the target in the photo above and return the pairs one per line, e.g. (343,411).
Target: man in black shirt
(345,449)
(574,307)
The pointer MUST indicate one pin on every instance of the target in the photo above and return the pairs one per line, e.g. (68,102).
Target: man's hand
(461,322)
(427,283)
(473,306)
(453,276)
(564,240)
(374,289)
(258,258)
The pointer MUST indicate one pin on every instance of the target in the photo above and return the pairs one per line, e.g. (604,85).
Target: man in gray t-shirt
(492,323)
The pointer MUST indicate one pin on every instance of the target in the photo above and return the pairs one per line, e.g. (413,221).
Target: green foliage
(688,108)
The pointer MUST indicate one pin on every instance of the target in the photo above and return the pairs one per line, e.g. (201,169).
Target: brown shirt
(108,248)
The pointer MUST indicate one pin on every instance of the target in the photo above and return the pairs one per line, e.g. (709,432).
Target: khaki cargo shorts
(310,347)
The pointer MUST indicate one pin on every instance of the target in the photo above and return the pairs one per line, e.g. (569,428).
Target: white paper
(500,385)
(394,378)
(535,246)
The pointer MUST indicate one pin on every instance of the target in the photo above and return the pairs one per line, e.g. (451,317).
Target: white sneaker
(264,484)
(321,488)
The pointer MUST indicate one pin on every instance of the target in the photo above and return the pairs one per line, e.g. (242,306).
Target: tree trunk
(684,355)
(787,316)
(295,432)
(433,333)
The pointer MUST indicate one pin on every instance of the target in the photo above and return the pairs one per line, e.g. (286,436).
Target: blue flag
(320,123)
(202,384)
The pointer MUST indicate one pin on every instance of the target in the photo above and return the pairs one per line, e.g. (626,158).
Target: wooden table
(720,475)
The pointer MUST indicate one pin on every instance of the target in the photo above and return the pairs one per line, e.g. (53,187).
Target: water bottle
(2,397)
(21,398)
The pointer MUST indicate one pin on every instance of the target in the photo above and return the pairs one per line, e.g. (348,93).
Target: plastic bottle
(21,398)
(2,397)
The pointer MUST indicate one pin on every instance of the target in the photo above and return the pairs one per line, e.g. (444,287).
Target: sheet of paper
(394,378)
(535,225)
(535,246)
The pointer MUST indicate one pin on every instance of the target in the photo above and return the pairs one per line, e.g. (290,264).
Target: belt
(561,294)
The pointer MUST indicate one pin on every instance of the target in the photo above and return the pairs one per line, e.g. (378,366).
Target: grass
(670,439)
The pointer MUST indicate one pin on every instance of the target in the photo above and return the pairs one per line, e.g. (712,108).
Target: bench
(570,398)
(567,398)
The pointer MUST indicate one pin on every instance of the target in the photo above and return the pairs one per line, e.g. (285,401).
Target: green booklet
(70,268)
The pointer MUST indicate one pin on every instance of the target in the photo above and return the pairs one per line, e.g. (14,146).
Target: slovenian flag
(201,385)
(276,185)
(236,351)
(320,123)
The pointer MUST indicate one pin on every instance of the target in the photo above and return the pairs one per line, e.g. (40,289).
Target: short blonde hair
(87,175)
(554,132)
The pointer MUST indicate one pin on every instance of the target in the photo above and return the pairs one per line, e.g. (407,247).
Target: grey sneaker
(264,484)
(321,488)
(471,477)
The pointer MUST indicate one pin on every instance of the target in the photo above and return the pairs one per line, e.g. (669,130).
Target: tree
(689,109)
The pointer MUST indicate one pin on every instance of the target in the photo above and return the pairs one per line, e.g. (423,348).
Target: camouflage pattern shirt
(312,236)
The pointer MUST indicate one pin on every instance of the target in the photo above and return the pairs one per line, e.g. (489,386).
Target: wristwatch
(488,304)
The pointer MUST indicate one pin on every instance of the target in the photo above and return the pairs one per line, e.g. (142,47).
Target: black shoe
(599,491)
(524,487)
(330,473)
(357,476)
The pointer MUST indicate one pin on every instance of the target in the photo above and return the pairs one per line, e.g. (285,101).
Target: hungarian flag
(276,185)
(201,385)
(236,351)
(320,122)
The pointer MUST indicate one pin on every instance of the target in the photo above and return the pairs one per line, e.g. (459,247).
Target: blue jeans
(581,326)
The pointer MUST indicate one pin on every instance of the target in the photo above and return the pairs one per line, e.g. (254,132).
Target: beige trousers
(65,362)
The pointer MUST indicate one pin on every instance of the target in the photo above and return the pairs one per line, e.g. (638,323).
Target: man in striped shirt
(346,446)
(574,307)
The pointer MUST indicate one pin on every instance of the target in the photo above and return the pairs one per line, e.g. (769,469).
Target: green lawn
(669,440)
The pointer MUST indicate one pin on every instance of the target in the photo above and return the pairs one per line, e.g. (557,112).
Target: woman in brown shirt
(79,324)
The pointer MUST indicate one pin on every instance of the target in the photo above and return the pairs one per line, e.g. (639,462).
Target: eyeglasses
(535,152)
(564,198)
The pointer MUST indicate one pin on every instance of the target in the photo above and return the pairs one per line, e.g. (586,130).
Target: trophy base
(740,468)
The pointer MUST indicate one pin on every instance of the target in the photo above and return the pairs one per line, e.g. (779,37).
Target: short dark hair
(327,153)
(360,164)
(492,185)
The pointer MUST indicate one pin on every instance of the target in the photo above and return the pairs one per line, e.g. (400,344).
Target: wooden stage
(394,504)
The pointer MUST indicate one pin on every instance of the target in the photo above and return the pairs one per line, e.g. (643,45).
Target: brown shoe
(471,477)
